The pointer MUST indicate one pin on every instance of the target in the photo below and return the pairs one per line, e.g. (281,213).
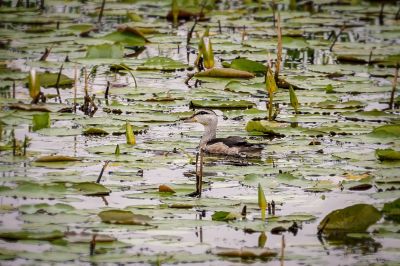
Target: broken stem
(337,37)
(101,11)
(107,89)
(75,82)
(102,171)
(381,13)
(13,90)
(283,245)
(58,83)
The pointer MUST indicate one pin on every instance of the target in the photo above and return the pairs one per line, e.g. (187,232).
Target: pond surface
(340,58)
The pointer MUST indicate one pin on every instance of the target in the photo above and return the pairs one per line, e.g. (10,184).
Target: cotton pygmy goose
(209,143)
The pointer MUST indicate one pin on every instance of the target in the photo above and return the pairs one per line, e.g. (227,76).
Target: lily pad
(162,63)
(244,253)
(123,217)
(392,210)
(221,104)
(115,51)
(355,218)
(56,158)
(31,235)
(92,189)
(247,65)
(225,73)
(387,154)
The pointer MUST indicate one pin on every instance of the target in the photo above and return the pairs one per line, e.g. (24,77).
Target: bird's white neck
(210,132)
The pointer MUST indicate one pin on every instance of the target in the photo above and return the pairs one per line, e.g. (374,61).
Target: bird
(209,144)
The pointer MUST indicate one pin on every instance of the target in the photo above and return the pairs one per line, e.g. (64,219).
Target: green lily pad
(392,210)
(92,189)
(49,80)
(31,235)
(127,36)
(44,207)
(225,73)
(56,158)
(95,131)
(386,131)
(221,104)
(247,65)
(162,63)
(355,218)
(115,51)
(244,253)
(123,217)
(387,154)
(225,216)
(40,121)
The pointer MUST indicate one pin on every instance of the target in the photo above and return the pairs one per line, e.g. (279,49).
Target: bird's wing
(229,141)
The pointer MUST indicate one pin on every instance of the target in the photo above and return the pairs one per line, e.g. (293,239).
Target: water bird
(210,144)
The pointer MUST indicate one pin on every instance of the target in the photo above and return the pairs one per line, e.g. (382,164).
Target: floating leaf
(106,50)
(40,121)
(225,216)
(247,65)
(123,217)
(127,36)
(386,131)
(95,131)
(221,104)
(225,73)
(162,63)
(57,158)
(387,154)
(130,137)
(165,188)
(392,210)
(245,253)
(91,189)
(329,89)
(31,235)
(355,218)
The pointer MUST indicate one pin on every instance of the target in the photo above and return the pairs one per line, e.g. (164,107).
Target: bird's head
(204,117)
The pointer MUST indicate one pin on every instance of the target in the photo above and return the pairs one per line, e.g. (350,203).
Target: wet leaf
(387,154)
(386,131)
(31,235)
(225,216)
(40,121)
(165,188)
(242,104)
(91,189)
(162,63)
(127,36)
(262,202)
(115,51)
(293,99)
(33,84)
(245,253)
(225,73)
(355,218)
(123,217)
(56,158)
(247,65)
(392,210)
(95,131)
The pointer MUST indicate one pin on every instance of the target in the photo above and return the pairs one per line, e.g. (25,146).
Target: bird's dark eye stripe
(202,113)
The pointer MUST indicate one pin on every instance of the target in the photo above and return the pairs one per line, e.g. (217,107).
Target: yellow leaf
(165,188)
(262,202)
(270,82)
(350,176)
(34,84)
(130,137)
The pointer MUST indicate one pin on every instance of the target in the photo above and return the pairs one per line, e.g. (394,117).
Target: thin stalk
(75,84)
(219,27)
(101,11)
(13,90)
(102,171)
(58,83)
(381,22)
(337,37)
(283,245)
(279,55)
(107,90)
(271,97)
(396,75)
